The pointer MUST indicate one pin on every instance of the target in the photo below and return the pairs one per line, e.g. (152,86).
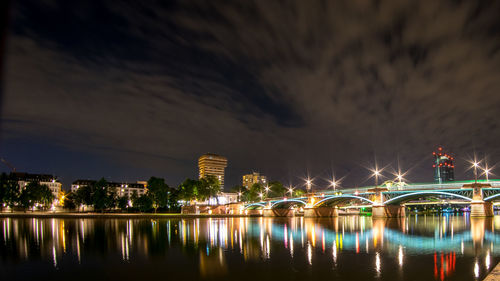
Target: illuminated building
(122,188)
(212,165)
(50,181)
(253,178)
(443,166)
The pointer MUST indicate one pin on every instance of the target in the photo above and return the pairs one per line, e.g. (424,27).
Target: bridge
(385,201)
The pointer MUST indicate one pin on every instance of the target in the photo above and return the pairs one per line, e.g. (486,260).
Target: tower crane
(12,168)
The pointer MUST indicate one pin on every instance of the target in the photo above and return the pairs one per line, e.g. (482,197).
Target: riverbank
(112,215)
(494,275)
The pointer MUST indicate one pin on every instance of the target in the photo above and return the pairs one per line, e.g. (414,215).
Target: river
(448,247)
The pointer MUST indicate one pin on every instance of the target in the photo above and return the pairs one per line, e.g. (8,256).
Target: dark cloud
(286,88)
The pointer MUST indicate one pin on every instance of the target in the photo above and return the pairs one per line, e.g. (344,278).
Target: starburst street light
(290,189)
(260,195)
(400,178)
(267,189)
(308,184)
(334,183)
(376,174)
(486,173)
(475,165)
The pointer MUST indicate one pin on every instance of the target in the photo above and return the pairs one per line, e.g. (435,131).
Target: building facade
(223,198)
(121,188)
(212,165)
(443,166)
(253,178)
(50,181)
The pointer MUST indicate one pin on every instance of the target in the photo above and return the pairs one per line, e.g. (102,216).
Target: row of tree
(258,192)
(102,197)
(159,196)
(31,195)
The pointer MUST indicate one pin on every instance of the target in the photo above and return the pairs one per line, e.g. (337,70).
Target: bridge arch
(288,202)
(341,198)
(255,206)
(409,196)
(490,198)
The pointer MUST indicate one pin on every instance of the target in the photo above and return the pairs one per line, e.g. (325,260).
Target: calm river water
(343,248)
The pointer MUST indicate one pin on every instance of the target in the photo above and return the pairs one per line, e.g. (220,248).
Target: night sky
(129,90)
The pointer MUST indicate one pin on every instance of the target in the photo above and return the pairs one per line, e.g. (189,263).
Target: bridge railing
(403,188)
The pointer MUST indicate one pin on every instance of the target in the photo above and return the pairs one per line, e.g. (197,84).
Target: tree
(253,193)
(35,193)
(3,187)
(143,203)
(68,202)
(9,190)
(103,196)
(123,202)
(158,192)
(298,193)
(240,190)
(188,190)
(277,189)
(209,187)
(44,195)
(83,196)
(173,200)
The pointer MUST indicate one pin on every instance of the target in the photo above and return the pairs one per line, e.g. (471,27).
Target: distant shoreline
(114,215)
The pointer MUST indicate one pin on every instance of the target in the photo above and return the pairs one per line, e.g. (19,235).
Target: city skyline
(292,91)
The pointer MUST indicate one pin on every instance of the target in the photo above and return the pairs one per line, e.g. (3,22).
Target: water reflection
(354,247)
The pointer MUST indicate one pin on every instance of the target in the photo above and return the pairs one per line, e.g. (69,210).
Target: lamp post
(475,164)
(308,184)
(290,189)
(334,184)
(400,179)
(487,172)
(376,173)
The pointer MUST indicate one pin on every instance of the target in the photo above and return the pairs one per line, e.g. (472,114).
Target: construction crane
(12,168)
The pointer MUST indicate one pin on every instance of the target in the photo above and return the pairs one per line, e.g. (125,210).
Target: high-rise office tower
(212,164)
(443,166)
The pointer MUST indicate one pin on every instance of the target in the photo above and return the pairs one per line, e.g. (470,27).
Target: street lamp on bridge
(475,165)
(308,184)
(334,184)
(376,173)
(487,172)
(290,189)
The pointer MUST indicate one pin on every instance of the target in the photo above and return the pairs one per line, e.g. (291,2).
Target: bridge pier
(320,212)
(278,212)
(481,209)
(388,211)
(253,212)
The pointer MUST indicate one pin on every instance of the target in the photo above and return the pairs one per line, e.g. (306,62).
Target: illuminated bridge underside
(406,197)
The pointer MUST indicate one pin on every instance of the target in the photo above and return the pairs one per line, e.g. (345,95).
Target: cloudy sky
(127,90)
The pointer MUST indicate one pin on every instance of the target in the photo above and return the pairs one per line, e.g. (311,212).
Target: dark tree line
(158,197)
(26,197)
(199,190)
(102,197)
(258,192)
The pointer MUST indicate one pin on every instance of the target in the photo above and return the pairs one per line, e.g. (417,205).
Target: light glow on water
(264,243)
